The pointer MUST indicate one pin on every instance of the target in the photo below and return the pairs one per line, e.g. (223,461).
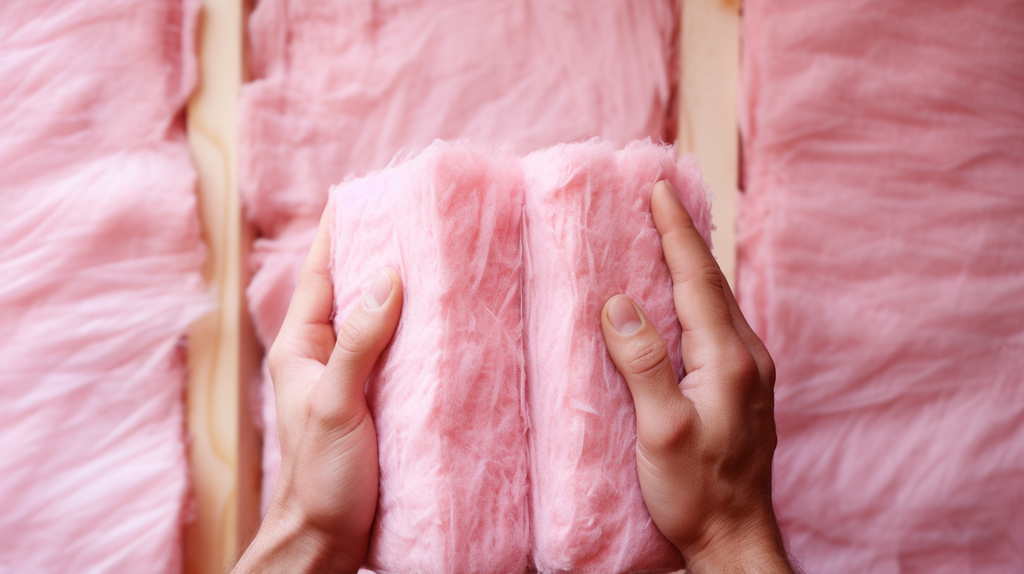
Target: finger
(708,335)
(765,364)
(361,339)
(306,333)
(641,355)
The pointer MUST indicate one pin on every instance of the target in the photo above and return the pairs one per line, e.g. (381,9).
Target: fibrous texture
(881,261)
(100,255)
(588,236)
(446,396)
(506,435)
(340,88)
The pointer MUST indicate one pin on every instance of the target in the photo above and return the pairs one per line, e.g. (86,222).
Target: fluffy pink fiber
(342,87)
(100,252)
(506,433)
(446,397)
(881,260)
(588,236)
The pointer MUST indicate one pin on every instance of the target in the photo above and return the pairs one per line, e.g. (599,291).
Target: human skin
(320,516)
(704,444)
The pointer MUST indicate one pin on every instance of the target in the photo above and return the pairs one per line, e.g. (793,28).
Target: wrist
(286,542)
(755,547)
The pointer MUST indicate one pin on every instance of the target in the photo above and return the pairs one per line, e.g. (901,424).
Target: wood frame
(224,356)
(708,127)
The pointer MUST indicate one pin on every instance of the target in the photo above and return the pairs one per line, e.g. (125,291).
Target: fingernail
(380,291)
(671,188)
(623,316)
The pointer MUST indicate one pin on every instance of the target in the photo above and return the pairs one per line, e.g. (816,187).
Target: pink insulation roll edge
(485,466)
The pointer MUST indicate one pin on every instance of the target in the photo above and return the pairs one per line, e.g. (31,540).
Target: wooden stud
(223,353)
(708,126)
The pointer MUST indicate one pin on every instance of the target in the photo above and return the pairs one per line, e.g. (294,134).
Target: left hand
(322,510)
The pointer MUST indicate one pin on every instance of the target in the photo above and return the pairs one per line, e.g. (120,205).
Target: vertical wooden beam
(708,126)
(223,353)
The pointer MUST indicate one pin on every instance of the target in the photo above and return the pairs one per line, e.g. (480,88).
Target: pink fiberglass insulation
(501,257)
(340,88)
(881,260)
(447,395)
(100,255)
(588,235)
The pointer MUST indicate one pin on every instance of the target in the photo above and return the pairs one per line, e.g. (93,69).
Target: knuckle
(673,432)
(746,367)
(332,416)
(739,365)
(323,414)
(710,273)
(707,271)
(645,359)
(353,333)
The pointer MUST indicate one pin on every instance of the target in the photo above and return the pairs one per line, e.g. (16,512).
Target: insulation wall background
(100,253)
(881,258)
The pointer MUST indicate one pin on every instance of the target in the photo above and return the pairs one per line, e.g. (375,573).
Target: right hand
(704,444)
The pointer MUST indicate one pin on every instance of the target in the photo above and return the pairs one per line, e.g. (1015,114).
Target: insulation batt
(100,256)
(341,87)
(447,395)
(588,236)
(881,260)
(496,400)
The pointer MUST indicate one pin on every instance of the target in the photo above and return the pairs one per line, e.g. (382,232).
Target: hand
(704,444)
(322,510)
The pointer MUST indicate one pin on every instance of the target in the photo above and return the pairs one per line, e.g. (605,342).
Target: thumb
(361,339)
(663,414)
